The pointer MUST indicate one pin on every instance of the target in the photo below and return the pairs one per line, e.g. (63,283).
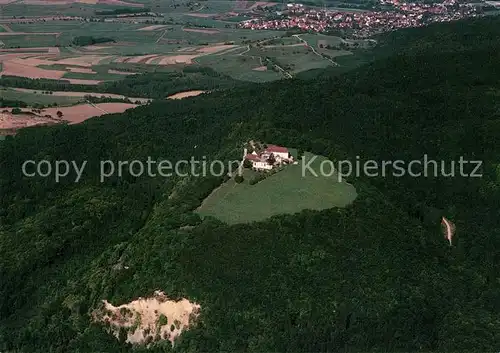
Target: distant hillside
(377,275)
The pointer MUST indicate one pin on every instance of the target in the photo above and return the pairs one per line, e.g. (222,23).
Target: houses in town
(270,157)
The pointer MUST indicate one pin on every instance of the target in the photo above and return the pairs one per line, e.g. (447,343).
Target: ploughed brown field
(72,115)
(81,112)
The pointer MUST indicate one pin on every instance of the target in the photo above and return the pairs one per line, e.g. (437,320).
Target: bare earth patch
(47,50)
(188,49)
(147,319)
(85,61)
(9,121)
(185,94)
(12,68)
(81,112)
(141,58)
(81,70)
(152,28)
(72,115)
(95,47)
(200,15)
(177,59)
(214,48)
(76,81)
(196,30)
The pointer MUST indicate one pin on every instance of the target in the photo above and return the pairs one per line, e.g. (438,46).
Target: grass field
(287,191)
(29,41)
(294,59)
(99,76)
(38,98)
(238,66)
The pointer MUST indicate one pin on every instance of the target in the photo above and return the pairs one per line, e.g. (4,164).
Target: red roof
(276,149)
(252,157)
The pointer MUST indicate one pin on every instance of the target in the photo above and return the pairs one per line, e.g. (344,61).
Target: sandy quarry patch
(80,70)
(260,68)
(148,319)
(185,94)
(151,28)
(110,71)
(177,59)
(81,112)
(197,30)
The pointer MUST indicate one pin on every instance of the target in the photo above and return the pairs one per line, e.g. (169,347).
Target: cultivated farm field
(37,97)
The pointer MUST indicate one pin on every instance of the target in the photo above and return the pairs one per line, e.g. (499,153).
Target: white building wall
(262,165)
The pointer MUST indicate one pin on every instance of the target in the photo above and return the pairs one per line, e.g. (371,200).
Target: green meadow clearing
(237,66)
(285,192)
(38,97)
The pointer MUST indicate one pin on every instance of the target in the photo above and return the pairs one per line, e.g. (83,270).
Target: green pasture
(37,98)
(103,76)
(283,41)
(238,66)
(286,192)
(296,59)
(28,41)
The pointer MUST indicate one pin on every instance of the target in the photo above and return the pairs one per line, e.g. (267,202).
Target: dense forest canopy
(374,276)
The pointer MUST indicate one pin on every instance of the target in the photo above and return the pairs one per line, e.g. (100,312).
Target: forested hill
(374,276)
